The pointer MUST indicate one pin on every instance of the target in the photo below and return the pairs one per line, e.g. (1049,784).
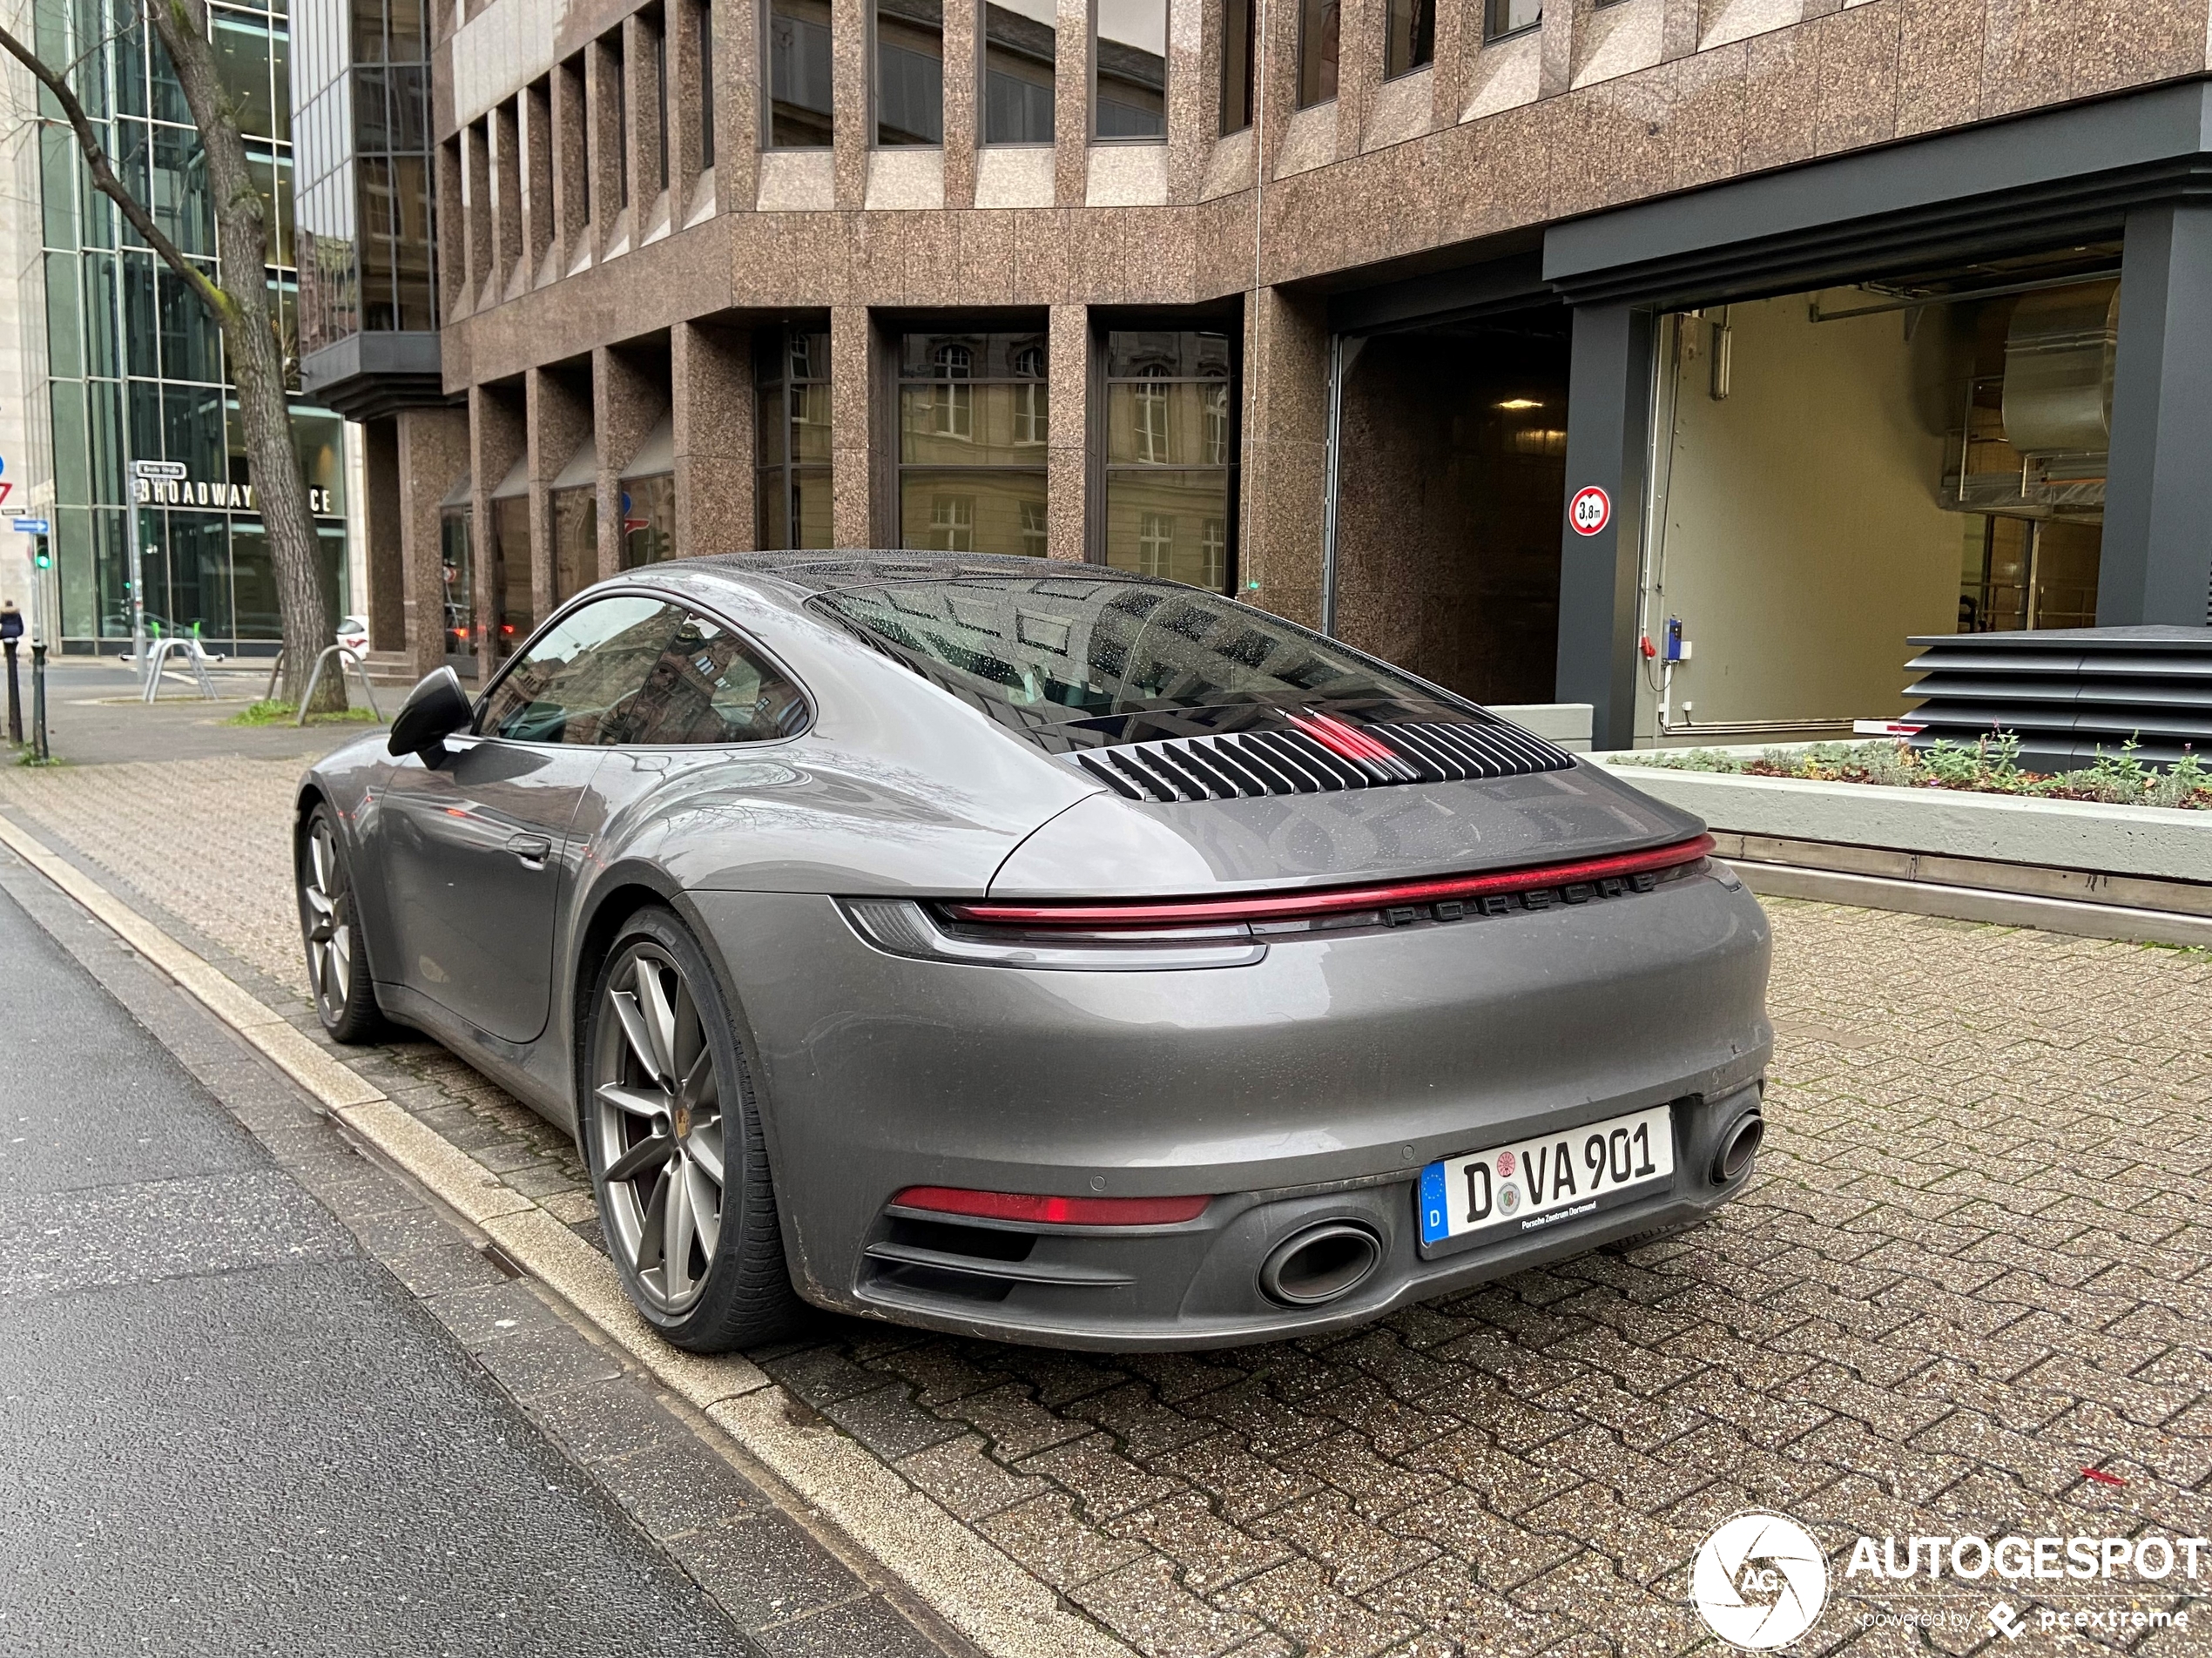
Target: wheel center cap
(681,1121)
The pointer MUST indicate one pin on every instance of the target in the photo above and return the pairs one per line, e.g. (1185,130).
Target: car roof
(827,572)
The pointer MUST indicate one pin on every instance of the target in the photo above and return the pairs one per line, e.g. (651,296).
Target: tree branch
(105,181)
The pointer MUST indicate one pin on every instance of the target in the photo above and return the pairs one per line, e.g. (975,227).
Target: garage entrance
(1451,479)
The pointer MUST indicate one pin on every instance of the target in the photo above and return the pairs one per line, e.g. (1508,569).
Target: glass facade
(365,171)
(974,418)
(792,423)
(134,367)
(1170,455)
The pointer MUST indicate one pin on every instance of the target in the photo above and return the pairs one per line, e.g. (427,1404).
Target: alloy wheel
(329,921)
(656,1119)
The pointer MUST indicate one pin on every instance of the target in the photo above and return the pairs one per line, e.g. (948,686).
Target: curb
(981,1593)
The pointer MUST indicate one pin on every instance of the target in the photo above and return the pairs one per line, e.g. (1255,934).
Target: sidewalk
(1972,1268)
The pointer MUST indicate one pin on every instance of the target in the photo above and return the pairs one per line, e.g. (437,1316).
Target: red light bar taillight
(1062,1211)
(1287,906)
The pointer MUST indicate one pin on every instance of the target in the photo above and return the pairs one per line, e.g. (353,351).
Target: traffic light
(43,559)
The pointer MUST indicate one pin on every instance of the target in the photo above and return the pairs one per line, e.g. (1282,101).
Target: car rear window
(1066,648)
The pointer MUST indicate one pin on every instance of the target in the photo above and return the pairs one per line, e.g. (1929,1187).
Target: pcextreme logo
(1759,1580)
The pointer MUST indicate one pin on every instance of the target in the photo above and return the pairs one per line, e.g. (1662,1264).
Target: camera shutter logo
(1759,1580)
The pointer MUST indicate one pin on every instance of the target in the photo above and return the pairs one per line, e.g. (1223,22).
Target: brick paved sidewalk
(1973,1266)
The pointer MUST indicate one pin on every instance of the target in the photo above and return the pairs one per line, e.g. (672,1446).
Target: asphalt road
(225,1429)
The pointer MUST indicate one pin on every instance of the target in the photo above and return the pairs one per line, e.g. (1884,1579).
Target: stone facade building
(1867,320)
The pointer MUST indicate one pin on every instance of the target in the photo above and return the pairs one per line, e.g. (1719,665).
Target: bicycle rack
(346,659)
(156,658)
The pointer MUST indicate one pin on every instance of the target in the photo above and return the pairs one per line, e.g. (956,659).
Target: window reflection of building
(1020,46)
(511,562)
(1170,461)
(791,370)
(572,504)
(974,418)
(798,48)
(1239,43)
(457,568)
(909,72)
(1409,37)
(1316,51)
(1129,70)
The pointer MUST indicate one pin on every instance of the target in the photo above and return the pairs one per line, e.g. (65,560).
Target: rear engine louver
(1241,764)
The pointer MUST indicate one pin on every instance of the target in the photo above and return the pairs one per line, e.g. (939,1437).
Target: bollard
(38,698)
(14,700)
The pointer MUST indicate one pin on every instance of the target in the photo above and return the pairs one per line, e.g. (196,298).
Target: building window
(1317,52)
(648,519)
(1410,43)
(909,72)
(1239,43)
(1170,455)
(457,577)
(511,563)
(1021,44)
(660,101)
(973,417)
(1503,17)
(791,370)
(798,44)
(704,12)
(1129,70)
(572,506)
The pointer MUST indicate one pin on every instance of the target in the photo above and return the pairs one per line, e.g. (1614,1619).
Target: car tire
(666,1108)
(338,974)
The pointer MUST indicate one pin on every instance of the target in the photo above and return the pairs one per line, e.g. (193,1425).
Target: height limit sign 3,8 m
(1590,510)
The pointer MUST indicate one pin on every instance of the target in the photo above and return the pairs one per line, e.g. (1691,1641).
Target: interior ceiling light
(1520,402)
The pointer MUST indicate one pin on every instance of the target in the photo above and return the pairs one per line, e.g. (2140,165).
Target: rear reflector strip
(1062,1211)
(1300,905)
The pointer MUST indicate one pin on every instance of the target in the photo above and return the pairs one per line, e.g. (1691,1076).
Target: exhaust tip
(1320,1264)
(1738,1146)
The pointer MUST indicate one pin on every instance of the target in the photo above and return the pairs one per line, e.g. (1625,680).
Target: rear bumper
(1309,1088)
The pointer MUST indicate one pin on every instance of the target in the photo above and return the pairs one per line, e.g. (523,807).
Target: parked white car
(353,634)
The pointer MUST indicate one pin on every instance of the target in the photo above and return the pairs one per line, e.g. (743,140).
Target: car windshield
(1064,648)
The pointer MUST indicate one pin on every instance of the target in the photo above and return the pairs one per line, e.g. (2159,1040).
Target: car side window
(575,684)
(710,687)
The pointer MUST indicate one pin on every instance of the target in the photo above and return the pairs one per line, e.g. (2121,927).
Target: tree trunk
(256,360)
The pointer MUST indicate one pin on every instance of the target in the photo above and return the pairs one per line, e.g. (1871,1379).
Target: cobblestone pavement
(1973,1266)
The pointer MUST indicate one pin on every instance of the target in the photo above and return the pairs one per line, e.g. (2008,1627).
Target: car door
(479,843)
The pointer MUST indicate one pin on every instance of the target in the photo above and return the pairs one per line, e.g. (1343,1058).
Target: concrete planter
(2140,873)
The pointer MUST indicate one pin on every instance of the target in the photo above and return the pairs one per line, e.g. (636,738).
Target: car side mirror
(434,710)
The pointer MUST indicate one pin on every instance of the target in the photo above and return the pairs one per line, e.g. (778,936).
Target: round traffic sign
(1590,510)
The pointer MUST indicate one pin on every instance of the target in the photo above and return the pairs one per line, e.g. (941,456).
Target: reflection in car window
(1066,648)
(575,684)
(709,687)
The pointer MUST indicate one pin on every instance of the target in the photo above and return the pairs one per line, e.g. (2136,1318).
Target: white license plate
(1548,1180)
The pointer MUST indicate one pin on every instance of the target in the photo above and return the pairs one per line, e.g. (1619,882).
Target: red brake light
(1064,1211)
(1282,907)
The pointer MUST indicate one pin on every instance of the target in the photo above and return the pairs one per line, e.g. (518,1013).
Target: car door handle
(531,849)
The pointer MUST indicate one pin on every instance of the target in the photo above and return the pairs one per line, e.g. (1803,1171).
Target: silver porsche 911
(1038,952)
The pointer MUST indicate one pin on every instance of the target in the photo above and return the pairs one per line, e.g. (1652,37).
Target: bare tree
(237,299)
